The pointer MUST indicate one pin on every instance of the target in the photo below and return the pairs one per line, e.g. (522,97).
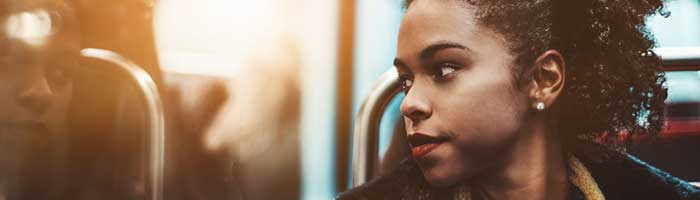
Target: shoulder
(388,186)
(623,176)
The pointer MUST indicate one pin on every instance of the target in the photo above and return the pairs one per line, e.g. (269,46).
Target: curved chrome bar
(155,111)
(679,55)
(366,134)
(679,58)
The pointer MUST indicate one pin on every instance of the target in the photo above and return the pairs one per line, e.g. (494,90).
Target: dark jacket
(619,176)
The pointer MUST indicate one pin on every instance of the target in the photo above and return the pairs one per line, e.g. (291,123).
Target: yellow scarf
(579,176)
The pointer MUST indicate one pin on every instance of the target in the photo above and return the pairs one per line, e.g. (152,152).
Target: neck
(533,168)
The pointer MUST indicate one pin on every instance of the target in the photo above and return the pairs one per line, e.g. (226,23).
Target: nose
(36,94)
(416,105)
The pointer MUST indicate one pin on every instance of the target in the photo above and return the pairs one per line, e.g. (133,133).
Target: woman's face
(36,60)
(462,108)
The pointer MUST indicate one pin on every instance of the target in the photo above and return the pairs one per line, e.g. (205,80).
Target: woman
(502,97)
(39,48)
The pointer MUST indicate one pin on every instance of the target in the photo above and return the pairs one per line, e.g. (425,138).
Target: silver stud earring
(540,106)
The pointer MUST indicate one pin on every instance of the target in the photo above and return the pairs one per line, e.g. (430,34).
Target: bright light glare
(32,28)
(212,37)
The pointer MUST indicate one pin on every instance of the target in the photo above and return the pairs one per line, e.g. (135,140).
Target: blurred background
(259,96)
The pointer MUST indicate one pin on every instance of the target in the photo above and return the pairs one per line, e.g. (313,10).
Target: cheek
(485,106)
(485,120)
(6,97)
(65,96)
(57,114)
(8,103)
(484,115)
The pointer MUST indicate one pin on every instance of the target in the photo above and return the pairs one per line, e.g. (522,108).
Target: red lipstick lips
(422,144)
(422,150)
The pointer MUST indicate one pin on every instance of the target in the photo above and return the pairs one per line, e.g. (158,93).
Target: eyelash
(404,81)
(439,74)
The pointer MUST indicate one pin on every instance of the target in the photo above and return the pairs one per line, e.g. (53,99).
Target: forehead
(426,22)
(37,25)
(13,12)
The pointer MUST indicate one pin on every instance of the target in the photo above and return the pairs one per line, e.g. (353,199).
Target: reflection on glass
(36,88)
(54,142)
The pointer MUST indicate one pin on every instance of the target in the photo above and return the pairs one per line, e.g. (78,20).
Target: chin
(443,176)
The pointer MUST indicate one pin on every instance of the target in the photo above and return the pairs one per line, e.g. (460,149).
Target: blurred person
(503,99)
(259,126)
(193,172)
(39,49)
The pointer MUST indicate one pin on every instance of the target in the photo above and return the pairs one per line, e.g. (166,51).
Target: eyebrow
(434,48)
(430,51)
(400,64)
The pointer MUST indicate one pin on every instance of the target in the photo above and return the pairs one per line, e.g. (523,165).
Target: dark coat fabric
(619,176)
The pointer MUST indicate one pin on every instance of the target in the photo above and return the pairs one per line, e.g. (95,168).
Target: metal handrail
(366,132)
(155,112)
(679,56)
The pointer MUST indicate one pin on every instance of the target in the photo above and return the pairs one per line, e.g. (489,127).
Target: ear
(547,79)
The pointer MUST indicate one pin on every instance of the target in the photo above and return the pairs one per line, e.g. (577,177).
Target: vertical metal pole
(346,40)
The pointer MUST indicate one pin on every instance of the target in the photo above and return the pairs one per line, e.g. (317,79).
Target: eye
(59,75)
(445,69)
(406,83)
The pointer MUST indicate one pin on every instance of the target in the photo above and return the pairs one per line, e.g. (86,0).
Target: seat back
(366,133)
(154,110)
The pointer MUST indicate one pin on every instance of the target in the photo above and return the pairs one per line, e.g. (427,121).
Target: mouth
(422,144)
(25,127)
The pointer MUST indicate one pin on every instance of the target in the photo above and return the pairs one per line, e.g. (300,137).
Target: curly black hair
(615,82)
